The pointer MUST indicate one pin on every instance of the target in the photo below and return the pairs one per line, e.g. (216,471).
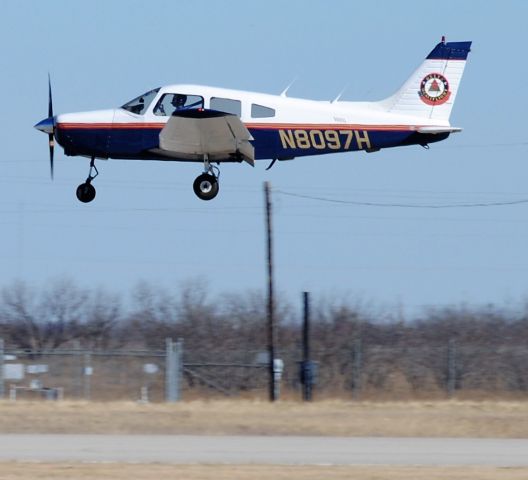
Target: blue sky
(146,223)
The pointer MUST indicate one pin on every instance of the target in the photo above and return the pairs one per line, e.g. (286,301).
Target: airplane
(193,123)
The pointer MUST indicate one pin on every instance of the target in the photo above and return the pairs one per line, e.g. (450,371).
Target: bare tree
(60,313)
(20,319)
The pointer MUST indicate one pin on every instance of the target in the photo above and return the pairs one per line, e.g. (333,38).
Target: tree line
(358,350)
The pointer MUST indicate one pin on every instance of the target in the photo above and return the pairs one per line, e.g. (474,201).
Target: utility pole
(357,367)
(307,364)
(2,368)
(451,367)
(273,383)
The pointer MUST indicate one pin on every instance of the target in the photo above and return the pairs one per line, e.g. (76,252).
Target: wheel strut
(209,169)
(92,168)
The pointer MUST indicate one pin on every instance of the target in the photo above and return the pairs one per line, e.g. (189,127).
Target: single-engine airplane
(194,123)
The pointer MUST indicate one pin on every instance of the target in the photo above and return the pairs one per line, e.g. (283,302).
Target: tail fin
(431,90)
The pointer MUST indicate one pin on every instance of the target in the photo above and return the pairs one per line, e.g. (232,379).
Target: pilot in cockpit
(178,102)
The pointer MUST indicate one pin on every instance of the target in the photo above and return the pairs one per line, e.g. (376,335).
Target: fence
(425,371)
(358,371)
(100,375)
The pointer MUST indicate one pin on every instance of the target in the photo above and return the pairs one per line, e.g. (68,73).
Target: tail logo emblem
(434,89)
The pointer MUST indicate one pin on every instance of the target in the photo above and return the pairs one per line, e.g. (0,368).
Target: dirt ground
(231,417)
(72,471)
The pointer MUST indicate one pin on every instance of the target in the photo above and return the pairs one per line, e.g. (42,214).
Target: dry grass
(72,471)
(442,418)
(238,417)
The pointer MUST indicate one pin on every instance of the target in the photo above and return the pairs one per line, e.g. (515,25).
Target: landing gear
(86,191)
(206,185)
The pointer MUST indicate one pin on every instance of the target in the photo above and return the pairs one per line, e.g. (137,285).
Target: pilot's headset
(179,100)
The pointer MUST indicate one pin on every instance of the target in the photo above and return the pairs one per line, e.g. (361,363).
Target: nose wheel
(206,186)
(86,191)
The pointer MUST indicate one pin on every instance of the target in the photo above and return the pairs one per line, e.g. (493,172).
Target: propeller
(48,126)
(51,136)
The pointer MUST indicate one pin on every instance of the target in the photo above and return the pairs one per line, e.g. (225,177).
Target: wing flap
(194,134)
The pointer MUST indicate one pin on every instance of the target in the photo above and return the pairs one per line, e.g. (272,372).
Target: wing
(192,134)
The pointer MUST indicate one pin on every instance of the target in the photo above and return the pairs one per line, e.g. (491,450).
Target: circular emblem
(434,89)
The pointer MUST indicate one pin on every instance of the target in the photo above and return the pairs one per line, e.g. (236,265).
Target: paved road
(264,450)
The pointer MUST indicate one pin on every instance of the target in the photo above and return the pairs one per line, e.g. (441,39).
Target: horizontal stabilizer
(438,129)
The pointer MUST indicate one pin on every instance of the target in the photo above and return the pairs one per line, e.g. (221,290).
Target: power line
(486,145)
(404,205)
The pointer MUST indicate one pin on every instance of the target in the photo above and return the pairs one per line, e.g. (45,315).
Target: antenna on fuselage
(283,93)
(336,99)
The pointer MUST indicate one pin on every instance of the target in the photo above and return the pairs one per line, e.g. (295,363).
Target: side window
(259,111)
(173,102)
(226,105)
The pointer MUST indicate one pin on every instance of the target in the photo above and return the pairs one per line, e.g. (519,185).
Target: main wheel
(206,186)
(85,192)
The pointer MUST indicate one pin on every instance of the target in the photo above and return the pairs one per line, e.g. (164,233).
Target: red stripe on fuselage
(103,126)
(329,126)
(257,126)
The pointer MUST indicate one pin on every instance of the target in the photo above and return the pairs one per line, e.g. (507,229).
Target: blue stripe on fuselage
(269,143)
(297,142)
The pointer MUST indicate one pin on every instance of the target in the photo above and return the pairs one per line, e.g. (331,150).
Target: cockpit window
(170,103)
(140,104)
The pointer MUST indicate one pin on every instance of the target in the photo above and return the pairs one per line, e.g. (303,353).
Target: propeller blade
(50,100)
(51,151)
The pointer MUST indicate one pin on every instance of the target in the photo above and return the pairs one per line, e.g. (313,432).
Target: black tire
(85,192)
(206,186)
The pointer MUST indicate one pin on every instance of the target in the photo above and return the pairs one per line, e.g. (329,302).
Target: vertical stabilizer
(431,90)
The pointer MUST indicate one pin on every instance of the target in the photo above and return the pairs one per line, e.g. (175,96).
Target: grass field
(428,419)
(231,417)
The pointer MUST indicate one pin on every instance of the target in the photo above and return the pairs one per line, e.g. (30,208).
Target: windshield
(141,103)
